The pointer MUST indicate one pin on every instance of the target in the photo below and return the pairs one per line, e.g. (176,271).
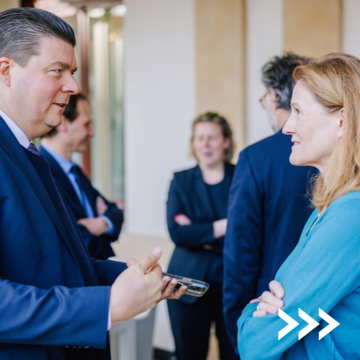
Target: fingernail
(157,251)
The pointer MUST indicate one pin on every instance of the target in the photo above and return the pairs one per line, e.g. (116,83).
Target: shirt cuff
(110,226)
(109,320)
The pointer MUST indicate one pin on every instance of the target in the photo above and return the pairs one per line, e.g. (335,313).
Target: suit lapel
(16,152)
(61,179)
(223,200)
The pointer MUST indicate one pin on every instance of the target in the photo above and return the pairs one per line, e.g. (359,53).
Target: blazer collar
(15,151)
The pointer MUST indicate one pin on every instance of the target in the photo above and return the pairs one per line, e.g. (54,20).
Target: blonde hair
(226,132)
(334,79)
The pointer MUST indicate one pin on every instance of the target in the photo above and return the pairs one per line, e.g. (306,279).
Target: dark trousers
(191,325)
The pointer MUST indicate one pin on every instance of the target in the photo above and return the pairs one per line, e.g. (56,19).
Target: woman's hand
(270,301)
(219,228)
(182,219)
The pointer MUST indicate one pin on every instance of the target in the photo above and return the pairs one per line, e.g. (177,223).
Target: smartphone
(194,287)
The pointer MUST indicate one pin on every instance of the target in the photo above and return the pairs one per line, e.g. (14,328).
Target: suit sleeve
(58,316)
(108,270)
(116,216)
(242,244)
(311,280)
(113,213)
(194,235)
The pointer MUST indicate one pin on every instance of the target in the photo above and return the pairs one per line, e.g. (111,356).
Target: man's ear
(5,65)
(273,100)
(341,122)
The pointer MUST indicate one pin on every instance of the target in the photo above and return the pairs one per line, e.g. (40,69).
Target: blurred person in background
(322,275)
(99,220)
(196,216)
(268,206)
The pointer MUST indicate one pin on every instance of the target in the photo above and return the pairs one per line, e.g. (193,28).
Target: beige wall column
(312,27)
(220,61)
(8,4)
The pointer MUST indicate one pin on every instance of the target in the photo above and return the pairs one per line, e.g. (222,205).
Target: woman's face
(209,144)
(315,131)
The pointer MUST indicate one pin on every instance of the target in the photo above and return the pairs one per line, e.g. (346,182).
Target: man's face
(41,90)
(79,131)
(268,103)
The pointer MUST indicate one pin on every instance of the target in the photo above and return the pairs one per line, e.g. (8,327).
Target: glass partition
(106,89)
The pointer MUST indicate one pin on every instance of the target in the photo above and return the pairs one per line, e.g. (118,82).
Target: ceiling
(68,8)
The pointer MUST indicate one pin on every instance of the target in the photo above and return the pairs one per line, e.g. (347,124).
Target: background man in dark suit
(50,290)
(268,206)
(99,220)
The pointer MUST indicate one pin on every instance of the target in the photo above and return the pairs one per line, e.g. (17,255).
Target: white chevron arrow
(332,323)
(292,324)
(312,324)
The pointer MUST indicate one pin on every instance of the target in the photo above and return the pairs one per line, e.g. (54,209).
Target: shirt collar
(18,133)
(64,163)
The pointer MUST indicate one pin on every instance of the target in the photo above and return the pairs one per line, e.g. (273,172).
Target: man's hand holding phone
(141,287)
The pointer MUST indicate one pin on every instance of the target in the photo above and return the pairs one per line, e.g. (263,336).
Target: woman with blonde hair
(322,274)
(196,216)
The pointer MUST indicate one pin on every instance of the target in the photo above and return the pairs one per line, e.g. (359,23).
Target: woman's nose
(289,127)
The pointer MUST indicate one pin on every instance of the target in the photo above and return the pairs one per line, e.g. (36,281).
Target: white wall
(351,31)
(264,39)
(159,106)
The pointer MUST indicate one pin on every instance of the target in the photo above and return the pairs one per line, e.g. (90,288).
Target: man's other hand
(96,226)
(168,289)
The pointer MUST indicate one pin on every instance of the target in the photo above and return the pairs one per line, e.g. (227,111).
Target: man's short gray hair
(21,30)
(277,75)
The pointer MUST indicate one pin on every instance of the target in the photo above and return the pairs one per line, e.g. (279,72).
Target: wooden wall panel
(312,27)
(220,61)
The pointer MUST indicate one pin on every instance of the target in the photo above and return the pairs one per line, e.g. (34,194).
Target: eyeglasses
(262,100)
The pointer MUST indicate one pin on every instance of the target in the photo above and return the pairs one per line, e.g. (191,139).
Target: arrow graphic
(292,324)
(332,323)
(312,324)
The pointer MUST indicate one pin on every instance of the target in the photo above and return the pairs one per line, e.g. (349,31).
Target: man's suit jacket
(268,208)
(44,303)
(99,246)
(188,195)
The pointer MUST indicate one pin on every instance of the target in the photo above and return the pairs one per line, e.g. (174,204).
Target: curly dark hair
(277,75)
(225,130)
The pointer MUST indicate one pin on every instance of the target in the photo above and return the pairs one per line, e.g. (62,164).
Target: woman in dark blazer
(196,216)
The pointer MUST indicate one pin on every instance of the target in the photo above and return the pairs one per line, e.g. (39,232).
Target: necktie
(33,149)
(75,170)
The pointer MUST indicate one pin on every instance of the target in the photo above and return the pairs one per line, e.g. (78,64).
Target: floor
(134,246)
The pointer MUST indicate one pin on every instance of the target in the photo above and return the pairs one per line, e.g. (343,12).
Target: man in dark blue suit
(99,220)
(268,206)
(52,303)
